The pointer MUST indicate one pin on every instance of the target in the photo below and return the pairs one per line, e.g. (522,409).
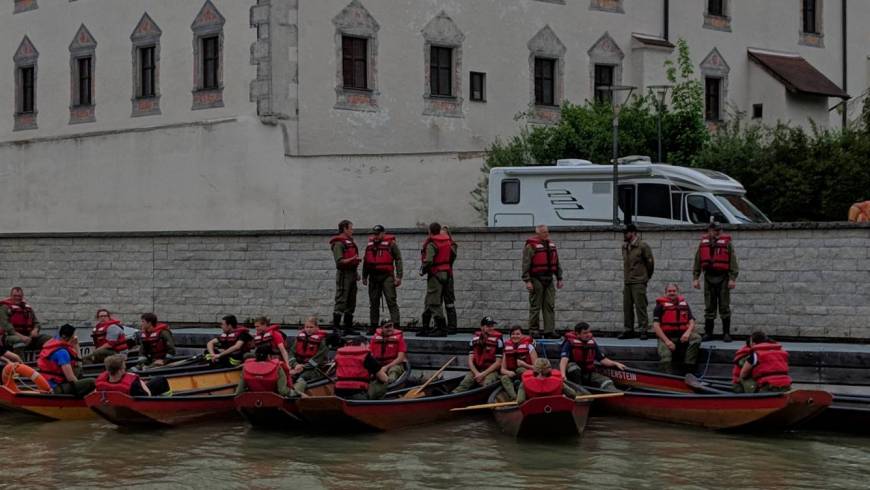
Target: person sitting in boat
(5,353)
(270,334)
(308,355)
(355,366)
(264,373)
(19,321)
(485,357)
(109,338)
(388,347)
(519,356)
(767,365)
(116,378)
(543,380)
(674,326)
(578,357)
(158,345)
(58,363)
(740,357)
(229,348)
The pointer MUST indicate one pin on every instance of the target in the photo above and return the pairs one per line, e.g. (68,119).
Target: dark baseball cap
(487,320)
(378,228)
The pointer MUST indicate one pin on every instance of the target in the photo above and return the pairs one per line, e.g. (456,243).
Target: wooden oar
(508,404)
(600,395)
(418,392)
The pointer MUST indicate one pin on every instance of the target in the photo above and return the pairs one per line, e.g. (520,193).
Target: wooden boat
(67,407)
(546,417)
(334,414)
(639,378)
(212,403)
(273,411)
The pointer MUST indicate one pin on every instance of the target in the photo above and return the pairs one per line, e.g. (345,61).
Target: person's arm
(398,360)
(533,356)
(321,355)
(606,361)
(558,270)
(564,354)
(170,342)
(283,350)
(563,366)
(746,370)
(658,311)
(10,357)
(397,258)
(144,387)
(471,367)
(648,260)
(527,266)
(688,333)
(283,389)
(696,269)
(429,257)
(374,368)
(293,361)
(37,327)
(63,359)
(495,367)
(209,347)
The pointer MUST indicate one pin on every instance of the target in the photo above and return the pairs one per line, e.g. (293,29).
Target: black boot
(451,321)
(643,333)
(708,330)
(726,330)
(626,334)
(440,328)
(425,329)
(348,325)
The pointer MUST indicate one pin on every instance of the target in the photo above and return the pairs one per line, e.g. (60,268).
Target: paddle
(508,404)
(418,392)
(180,362)
(696,384)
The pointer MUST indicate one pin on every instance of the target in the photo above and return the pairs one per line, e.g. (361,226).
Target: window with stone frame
(605,67)
(713,99)
(715,71)
(442,56)
(477,87)
(717,15)
(604,78)
(545,81)
(614,6)
(356,46)
(546,76)
(145,41)
(26,77)
(82,54)
(716,7)
(208,40)
(24,6)
(811,33)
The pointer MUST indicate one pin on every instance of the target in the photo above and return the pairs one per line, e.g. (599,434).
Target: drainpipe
(845,63)
(667,18)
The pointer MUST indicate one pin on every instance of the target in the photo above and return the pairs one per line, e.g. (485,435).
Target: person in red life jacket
(484,357)
(382,272)
(579,353)
(308,353)
(674,326)
(388,347)
(264,373)
(158,345)
(542,380)
(109,338)
(540,265)
(270,334)
(738,384)
(767,365)
(347,260)
(437,256)
(355,368)
(519,356)
(715,258)
(229,348)
(19,321)
(58,363)
(116,378)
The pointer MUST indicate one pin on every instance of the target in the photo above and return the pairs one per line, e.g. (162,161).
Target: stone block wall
(795,280)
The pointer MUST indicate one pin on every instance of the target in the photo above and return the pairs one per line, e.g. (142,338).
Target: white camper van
(579,192)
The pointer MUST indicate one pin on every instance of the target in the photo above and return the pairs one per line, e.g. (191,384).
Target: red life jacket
(124,385)
(484,356)
(350,369)
(582,353)
(386,348)
(307,346)
(443,260)
(49,369)
(537,387)
(157,347)
(742,353)
(714,254)
(519,351)
(675,315)
(545,260)
(379,254)
(261,375)
(772,366)
(267,337)
(100,332)
(350,251)
(227,340)
(20,316)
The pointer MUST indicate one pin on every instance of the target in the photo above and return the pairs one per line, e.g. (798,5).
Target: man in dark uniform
(540,264)
(346,255)
(715,257)
(638,266)
(438,255)
(382,271)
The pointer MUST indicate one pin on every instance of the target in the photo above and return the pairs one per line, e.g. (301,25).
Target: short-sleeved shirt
(114,333)
(60,357)
(566,351)
(659,310)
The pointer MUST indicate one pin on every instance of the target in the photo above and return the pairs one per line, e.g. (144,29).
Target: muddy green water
(466,453)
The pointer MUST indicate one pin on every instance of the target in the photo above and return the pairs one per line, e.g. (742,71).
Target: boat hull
(126,411)
(545,417)
(273,411)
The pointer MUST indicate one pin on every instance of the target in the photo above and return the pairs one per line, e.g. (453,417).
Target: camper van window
(677,206)
(701,210)
(654,200)
(741,208)
(510,191)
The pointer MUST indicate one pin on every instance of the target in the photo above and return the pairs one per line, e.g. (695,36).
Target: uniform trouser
(101,354)
(345,292)
(308,376)
(377,389)
(634,304)
(79,388)
(439,289)
(744,386)
(542,302)
(35,344)
(509,384)
(772,389)
(683,358)
(566,390)
(382,285)
(468,381)
(575,373)
(717,297)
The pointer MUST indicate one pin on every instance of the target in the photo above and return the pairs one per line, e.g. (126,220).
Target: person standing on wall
(382,272)
(437,255)
(638,266)
(346,255)
(715,257)
(540,264)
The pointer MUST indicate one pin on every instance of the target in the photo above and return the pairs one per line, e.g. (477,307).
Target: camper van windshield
(741,208)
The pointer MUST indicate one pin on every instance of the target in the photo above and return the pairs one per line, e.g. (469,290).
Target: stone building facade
(280,114)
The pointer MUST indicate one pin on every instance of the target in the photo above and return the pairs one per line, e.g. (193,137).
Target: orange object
(860,212)
(14,370)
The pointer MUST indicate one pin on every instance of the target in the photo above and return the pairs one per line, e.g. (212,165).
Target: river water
(468,452)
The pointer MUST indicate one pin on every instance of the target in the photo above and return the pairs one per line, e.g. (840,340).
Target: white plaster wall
(761,88)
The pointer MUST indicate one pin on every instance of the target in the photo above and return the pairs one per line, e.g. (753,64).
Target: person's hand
(298,369)
(26,340)
(512,374)
(398,281)
(559,284)
(158,362)
(620,366)
(696,284)
(530,286)
(732,284)
(479,377)
(670,345)
(365,281)
(685,337)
